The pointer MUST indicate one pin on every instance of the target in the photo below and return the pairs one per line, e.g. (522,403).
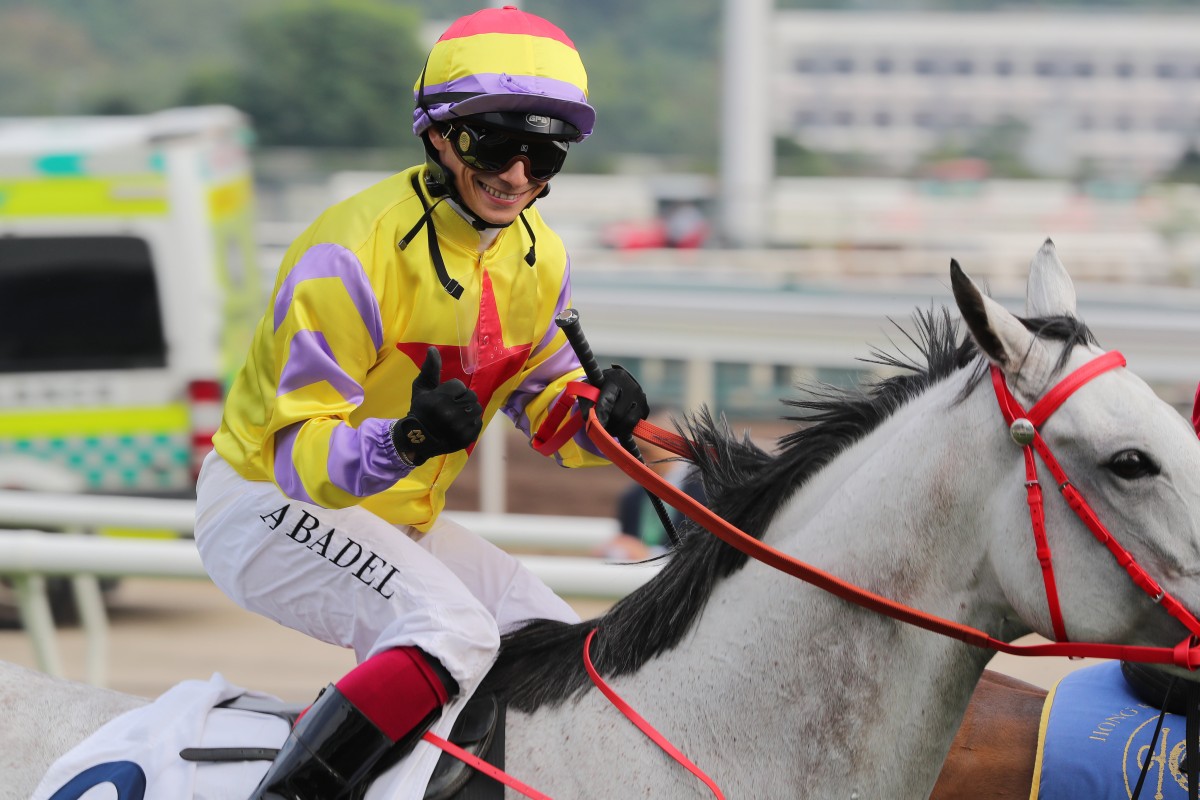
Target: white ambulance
(129,288)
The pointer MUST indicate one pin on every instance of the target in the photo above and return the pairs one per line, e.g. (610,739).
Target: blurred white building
(1117,91)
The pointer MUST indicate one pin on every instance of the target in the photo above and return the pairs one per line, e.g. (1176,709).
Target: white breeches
(349,578)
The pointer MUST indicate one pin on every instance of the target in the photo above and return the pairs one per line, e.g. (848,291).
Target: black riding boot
(327,755)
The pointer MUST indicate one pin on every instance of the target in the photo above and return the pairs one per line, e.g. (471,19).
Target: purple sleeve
(362,461)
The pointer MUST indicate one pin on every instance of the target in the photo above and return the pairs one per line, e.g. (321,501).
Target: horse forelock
(541,663)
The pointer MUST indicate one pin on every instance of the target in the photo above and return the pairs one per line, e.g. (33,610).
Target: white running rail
(28,557)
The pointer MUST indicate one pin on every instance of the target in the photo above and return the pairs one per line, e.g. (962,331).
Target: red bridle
(1023,427)
(558,428)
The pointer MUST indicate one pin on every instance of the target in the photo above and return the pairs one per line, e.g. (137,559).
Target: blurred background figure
(642,534)
(685,226)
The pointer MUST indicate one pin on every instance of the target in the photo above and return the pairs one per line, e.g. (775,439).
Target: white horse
(914,490)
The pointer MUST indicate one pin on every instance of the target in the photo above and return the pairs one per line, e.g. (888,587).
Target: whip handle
(568,321)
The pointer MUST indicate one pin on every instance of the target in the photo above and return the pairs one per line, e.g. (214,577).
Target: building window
(883,119)
(843,64)
(805,66)
(1045,68)
(963,67)
(925,66)
(843,118)
(884,65)
(1166,71)
(1124,69)
(1003,67)
(807,118)
(1084,69)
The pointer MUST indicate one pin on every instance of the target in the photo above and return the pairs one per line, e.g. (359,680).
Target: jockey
(402,321)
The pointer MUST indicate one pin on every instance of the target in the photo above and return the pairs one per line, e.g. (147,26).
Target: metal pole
(94,620)
(493,470)
(747,126)
(700,383)
(37,620)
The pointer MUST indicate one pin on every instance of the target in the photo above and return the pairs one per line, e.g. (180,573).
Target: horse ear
(1049,292)
(999,334)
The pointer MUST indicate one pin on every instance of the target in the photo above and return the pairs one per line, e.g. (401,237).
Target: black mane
(542,662)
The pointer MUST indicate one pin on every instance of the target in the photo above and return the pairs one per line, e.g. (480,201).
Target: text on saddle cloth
(1096,735)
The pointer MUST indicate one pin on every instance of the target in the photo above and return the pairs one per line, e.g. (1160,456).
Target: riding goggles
(490,150)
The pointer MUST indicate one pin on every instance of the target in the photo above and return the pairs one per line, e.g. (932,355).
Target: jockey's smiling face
(497,197)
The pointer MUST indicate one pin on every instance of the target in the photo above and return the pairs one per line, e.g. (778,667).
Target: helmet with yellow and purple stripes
(507,61)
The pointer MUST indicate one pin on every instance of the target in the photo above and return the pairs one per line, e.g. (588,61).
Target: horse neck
(855,701)
(904,511)
(897,513)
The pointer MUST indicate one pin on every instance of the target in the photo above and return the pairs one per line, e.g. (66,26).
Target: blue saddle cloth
(1094,737)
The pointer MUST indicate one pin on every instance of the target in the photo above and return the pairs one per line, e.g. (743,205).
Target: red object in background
(682,228)
(204,402)
(1196,412)
(636,235)
(958,169)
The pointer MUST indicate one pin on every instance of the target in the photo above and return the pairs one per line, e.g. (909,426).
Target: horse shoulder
(43,718)
(993,753)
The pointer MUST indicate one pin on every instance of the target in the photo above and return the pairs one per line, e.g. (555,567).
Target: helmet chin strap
(440,183)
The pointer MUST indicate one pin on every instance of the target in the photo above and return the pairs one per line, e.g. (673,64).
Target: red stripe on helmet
(505,20)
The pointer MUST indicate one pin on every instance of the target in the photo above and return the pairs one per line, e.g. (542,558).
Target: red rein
(1185,654)
(558,428)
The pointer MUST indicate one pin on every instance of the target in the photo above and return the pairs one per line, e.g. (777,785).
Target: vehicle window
(78,303)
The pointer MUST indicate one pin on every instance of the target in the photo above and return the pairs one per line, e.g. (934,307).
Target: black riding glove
(621,403)
(444,417)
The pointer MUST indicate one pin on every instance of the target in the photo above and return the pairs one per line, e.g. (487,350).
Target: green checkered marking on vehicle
(113,463)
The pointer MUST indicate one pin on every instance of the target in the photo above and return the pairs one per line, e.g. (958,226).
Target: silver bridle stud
(1022,431)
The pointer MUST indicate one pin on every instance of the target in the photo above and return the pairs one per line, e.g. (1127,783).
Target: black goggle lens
(490,150)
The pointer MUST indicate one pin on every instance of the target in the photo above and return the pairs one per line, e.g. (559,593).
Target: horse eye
(1132,464)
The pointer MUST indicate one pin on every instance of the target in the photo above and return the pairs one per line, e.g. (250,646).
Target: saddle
(1151,683)
(479,730)
(1156,688)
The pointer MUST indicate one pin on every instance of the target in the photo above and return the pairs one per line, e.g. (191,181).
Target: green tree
(1187,170)
(48,63)
(336,73)
(653,77)
(999,144)
(794,160)
(72,57)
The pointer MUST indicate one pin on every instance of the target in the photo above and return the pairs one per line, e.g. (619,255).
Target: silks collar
(427,194)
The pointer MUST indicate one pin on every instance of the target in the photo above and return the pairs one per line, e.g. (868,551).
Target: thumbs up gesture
(443,417)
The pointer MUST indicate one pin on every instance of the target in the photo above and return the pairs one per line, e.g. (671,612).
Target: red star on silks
(500,362)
